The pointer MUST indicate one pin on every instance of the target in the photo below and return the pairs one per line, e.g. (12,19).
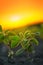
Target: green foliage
(24,39)
(1,34)
(0,28)
(20,51)
(15,40)
(1,37)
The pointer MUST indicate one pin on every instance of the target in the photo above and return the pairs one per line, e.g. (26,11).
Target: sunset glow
(19,13)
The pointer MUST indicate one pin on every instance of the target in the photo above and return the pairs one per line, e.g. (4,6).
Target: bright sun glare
(15,18)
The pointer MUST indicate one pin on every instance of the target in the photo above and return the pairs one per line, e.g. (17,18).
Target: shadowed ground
(34,59)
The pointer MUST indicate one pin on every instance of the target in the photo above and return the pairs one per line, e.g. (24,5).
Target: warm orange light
(19,13)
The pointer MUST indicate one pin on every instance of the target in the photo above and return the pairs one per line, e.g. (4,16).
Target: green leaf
(35,41)
(0,28)
(6,41)
(30,48)
(21,35)
(20,51)
(26,45)
(27,34)
(15,40)
(1,36)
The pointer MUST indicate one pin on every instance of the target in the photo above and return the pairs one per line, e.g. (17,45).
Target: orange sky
(17,13)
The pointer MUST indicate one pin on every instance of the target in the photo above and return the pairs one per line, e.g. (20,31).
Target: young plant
(27,41)
(12,40)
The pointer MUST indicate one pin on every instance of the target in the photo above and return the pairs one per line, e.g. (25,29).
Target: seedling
(12,40)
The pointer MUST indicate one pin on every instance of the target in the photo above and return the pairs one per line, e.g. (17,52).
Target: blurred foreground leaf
(0,28)
(20,51)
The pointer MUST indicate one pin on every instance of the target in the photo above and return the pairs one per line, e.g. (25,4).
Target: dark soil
(23,59)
